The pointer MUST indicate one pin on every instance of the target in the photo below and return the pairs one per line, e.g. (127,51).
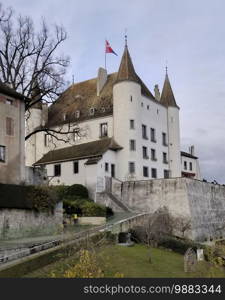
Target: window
(131,124)
(145,152)
(106,167)
(46,140)
(131,99)
(131,167)
(164,141)
(190,166)
(145,172)
(147,107)
(153,154)
(103,130)
(142,104)
(185,165)
(76,167)
(9,101)
(166,174)
(9,126)
(144,132)
(165,161)
(153,138)
(154,173)
(2,153)
(132,145)
(57,170)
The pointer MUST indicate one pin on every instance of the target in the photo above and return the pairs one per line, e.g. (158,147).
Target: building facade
(120,130)
(12,131)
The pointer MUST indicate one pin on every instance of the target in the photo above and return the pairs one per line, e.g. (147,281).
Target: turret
(168,100)
(126,116)
(36,117)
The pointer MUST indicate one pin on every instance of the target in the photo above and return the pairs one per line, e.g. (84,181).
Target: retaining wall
(18,223)
(188,200)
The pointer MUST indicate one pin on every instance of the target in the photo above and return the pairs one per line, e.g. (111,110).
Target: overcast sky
(190,35)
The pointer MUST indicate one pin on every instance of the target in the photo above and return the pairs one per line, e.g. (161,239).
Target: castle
(122,131)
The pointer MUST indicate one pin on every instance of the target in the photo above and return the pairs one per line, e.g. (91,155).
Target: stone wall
(18,223)
(191,201)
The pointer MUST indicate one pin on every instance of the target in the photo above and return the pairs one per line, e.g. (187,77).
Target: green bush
(91,209)
(109,212)
(39,198)
(178,245)
(77,190)
(73,206)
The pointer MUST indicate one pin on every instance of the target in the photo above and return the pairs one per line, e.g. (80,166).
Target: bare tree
(182,225)
(31,64)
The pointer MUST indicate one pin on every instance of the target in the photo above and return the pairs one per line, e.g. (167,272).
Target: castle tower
(34,119)
(168,100)
(127,117)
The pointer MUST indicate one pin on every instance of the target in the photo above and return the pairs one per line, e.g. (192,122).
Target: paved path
(8,247)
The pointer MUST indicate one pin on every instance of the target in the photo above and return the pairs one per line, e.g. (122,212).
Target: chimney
(157,92)
(192,150)
(101,80)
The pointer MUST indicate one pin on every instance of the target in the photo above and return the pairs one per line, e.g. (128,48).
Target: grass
(132,262)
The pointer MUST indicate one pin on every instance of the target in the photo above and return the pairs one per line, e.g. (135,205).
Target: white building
(124,132)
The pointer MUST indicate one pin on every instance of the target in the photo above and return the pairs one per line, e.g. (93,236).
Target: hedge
(28,197)
(178,245)
(75,191)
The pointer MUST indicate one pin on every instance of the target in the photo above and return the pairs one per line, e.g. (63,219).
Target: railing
(70,239)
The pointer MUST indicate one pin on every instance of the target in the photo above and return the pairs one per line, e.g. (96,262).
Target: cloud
(188,34)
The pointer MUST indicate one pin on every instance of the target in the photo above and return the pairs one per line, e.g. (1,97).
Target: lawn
(131,262)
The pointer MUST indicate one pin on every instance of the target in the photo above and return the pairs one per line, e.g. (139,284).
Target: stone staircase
(118,202)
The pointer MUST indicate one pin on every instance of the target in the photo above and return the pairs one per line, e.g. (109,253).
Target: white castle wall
(174,142)
(91,176)
(33,146)
(143,111)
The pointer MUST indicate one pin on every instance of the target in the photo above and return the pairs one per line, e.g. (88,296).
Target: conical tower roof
(126,69)
(167,96)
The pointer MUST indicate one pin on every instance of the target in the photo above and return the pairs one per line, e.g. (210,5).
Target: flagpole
(105,59)
(105,54)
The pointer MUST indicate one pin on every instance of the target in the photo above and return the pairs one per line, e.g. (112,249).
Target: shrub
(77,190)
(39,198)
(91,209)
(178,245)
(72,207)
(109,212)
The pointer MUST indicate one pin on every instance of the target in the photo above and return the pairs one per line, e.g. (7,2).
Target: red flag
(108,48)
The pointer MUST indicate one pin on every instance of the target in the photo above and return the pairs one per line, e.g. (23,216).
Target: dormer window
(92,111)
(77,114)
